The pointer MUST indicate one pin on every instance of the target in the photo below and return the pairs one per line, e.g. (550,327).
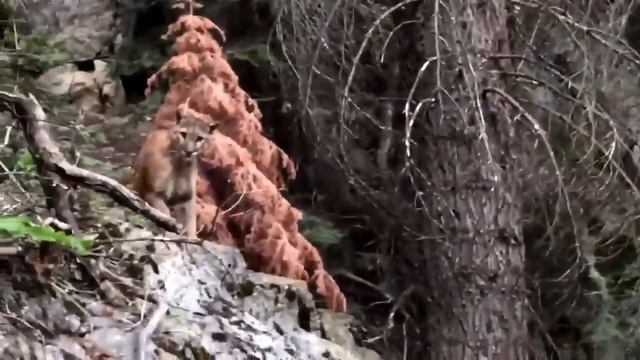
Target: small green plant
(36,52)
(25,163)
(255,53)
(22,226)
(136,57)
(319,231)
(146,108)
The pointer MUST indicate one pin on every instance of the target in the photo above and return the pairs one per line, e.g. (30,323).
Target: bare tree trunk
(479,305)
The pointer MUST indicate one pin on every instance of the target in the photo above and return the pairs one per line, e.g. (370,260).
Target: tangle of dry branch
(572,86)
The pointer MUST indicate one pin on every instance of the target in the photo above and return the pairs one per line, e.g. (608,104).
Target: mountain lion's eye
(199,139)
(183,134)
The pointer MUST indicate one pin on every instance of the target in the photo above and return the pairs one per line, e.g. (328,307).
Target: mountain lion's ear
(181,109)
(213,127)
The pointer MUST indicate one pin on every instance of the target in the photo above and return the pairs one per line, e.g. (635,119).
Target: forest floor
(107,145)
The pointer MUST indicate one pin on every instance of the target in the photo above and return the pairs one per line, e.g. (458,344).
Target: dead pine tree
(475,259)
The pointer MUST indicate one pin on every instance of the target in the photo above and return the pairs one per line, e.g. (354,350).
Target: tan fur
(166,170)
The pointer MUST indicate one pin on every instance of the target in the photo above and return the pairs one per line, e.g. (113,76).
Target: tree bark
(479,305)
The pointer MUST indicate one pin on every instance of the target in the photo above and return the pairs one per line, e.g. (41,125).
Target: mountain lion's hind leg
(156,202)
(190,214)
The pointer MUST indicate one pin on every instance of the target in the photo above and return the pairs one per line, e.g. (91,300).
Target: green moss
(132,58)
(36,52)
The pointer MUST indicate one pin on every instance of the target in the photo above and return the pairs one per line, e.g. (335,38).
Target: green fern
(37,52)
(22,226)
(25,163)
(255,53)
(319,231)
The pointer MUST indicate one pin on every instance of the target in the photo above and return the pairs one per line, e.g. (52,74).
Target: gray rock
(234,311)
(215,307)
(97,91)
(84,26)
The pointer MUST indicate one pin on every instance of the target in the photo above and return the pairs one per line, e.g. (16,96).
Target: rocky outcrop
(86,27)
(94,90)
(215,307)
